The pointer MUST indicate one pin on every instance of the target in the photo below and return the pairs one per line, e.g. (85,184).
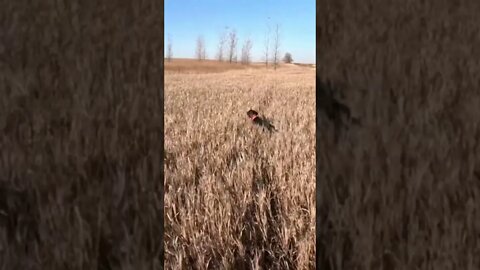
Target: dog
(261,122)
(335,111)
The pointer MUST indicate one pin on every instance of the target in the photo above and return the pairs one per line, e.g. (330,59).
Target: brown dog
(261,122)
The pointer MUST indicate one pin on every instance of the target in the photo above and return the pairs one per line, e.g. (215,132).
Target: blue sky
(185,20)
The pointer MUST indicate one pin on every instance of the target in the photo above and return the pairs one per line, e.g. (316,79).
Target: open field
(204,66)
(182,65)
(402,191)
(236,198)
(81,135)
(305,65)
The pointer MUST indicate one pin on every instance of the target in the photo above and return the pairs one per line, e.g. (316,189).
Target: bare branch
(276,46)
(267,44)
(232,46)
(246,52)
(200,52)
(169,49)
(221,45)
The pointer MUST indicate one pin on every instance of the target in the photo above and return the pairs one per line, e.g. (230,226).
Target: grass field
(236,198)
(205,66)
(80,135)
(402,191)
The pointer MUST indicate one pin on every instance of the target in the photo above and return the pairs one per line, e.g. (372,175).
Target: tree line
(227,48)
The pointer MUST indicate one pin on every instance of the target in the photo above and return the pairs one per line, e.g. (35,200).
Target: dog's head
(251,114)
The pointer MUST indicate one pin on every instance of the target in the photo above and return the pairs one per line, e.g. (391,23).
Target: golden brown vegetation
(304,65)
(237,198)
(81,128)
(205,66)
(402,191)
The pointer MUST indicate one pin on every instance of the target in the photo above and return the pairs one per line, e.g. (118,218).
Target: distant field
(236,198)
(213,66)
(204,66)
(305,65)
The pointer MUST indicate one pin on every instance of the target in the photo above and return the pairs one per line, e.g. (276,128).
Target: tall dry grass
(401,192)
(236,198)
(81,134)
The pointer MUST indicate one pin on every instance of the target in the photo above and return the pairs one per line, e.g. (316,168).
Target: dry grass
(305,65)
(236,198)
(181,65)
(403,191)
(81,127)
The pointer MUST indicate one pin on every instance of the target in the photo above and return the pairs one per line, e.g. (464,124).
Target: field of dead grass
(81,135)
(236,198)
(182,65)
(403,190)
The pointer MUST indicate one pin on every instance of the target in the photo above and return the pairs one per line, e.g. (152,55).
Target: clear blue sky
(185,20)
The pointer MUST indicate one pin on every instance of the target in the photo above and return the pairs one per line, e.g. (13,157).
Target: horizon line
(238,62)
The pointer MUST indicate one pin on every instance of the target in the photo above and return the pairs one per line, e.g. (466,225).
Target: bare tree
(276,46)
(169,49)
(288,58)
(204,51)
(232,46)
(246,52)
(267,44)
(199,48)
(221,45)
(200,51)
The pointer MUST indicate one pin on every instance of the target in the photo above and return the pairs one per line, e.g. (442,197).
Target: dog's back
(262,122)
